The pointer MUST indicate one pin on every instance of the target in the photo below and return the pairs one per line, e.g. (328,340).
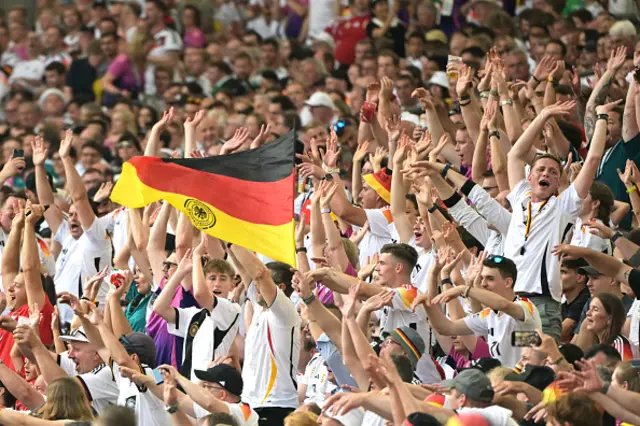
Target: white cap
(352,418)
(77,335)
(49,92)
(439,78)
(320,99)
(326,38)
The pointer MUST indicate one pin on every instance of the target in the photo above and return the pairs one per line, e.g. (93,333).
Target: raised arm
(78,193)
(629,119)
(398,193)
(43,188)
(342,208)
(190,126)
(204,296)
(11,252)
(162,305)
(605,264)
(153,142)
(587,174)
(260,274)
(112,343)
(334,240)
(31,258)
(20,388)
(119,323)
(157,240)
(356,171)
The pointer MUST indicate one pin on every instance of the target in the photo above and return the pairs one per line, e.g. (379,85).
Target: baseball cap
(224,375)
(485,364)
(590,271)
(439,78)
(320,99)
(420,419)
(141,345)
(473,383)
(410,341)
(538,376)
(77,335)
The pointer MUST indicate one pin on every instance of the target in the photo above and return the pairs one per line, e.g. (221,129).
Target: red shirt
(347,33)
(46,335)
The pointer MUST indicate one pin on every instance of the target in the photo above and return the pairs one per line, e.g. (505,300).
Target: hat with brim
(77,335)
(589,271)
(320,99)
(538,376)
(472,383)
(223,375)
(439,78)
(380,181)
(410,341)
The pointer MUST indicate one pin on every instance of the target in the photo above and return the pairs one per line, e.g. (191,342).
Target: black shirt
(394,34)
(573,310)
(81,77)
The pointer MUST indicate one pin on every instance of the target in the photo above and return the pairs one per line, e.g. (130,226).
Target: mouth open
(418,235)
(74,227)
(544,183)
(217,292)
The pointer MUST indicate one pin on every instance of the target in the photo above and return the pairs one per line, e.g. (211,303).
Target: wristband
(465,104)
(495,133)
(506,102)
(327,176)
(432,209)
(466,292)
(540,94)
(536,79)
(301,250)
(485,94)
(603,117)
(605,388)
(446,281)
(325,210)
(333,171)
(631,189)
(494,92)
(309,299)
(172,409)
(444,171)
(465,98)
(615,236)
(552,80)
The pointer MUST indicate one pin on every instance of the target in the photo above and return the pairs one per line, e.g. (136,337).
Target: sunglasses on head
(495,258)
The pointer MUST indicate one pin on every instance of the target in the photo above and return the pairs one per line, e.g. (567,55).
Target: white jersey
(551,221)
(634,331)
(498,327)
(379,233)
(115,223)
(583,238)
(44,253)
(241,412)
(206,336)
(99,384)
(79,259)
(149,409)
(399,314)
(420,274)
(494,414)
(272,351)
(165,41)
(316,377)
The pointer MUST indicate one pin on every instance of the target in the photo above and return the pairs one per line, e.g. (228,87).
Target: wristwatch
(172,409)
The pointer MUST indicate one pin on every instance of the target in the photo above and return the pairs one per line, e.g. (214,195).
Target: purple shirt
(125,75)
(194,38)
(168,346)
(325,295)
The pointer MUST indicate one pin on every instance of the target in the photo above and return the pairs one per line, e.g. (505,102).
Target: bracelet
(615,236)
(485,94)
(603,117)
(333,171)
(432,209)
(605,388)
(85,298)
(446,281)
(465,104)
(325,210)
(495,133)
(465,98)
(552,80)
(327,176)
(506,102)
(540,94)
(536,79)
(444,171)
(494,92)
(301,250)
(466,292)
(309,299)
(631,189)
(172,409)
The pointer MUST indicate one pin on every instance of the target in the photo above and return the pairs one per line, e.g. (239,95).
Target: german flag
(245,198)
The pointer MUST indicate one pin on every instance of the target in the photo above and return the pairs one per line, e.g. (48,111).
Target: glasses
(495,258)
(168,265)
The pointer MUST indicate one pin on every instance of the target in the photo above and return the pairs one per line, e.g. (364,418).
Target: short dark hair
(474,51)
(609,351)
(546,155)
(404,367)
(222,66)
(56,66)
(285,102)
(571,353)
(601,192)
(271,41)
(93,145)
(281,274)
(559,43)
(582,14)
(505,265)
(403,253)
(114,415)
(111,33)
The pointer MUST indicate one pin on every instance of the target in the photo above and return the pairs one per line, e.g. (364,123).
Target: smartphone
(522,339)
(368,110)
(17,153)
(158,376)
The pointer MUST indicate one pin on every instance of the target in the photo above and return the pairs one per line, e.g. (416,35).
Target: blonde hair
(352,253)
(625,372)
(136,50)
(129,121)
(498,374)
(622,29)
(299,418)
(66,400)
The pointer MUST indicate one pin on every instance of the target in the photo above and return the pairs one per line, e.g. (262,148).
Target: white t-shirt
(495,415)
(399,314)
(213,338)
(149,409)
(538,268)
(583,238)
(316,377)
(321,15)
(420,274)
(379,233)
(243,413)
(498,327)
(99,384)
(115,223)
(79,259)
(165,41)
(272,351)
(634,330)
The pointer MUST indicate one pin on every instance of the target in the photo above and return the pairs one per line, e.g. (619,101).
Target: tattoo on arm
(589,122)
(626,275)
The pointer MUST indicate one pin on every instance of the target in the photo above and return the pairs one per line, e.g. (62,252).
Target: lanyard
(530,219)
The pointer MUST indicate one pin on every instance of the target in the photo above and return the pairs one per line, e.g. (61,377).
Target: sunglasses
(495,258)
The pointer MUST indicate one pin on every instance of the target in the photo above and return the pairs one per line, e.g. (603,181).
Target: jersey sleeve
(62,233)
(183,319)
(569,201)
(379,220)
(100,385)
(283,312)
(478,322)
(66,364)
(529,308)
(404,297)
(97,233)
(470,220)
(488,207)
(199,411)
(225,312)
(518,193)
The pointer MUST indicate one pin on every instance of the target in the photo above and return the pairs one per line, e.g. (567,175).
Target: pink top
(194,38)
(459,362)
(325,294)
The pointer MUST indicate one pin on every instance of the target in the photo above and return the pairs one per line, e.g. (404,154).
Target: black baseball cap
(224,375)
(485,364)
(538,376)
(141,345)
